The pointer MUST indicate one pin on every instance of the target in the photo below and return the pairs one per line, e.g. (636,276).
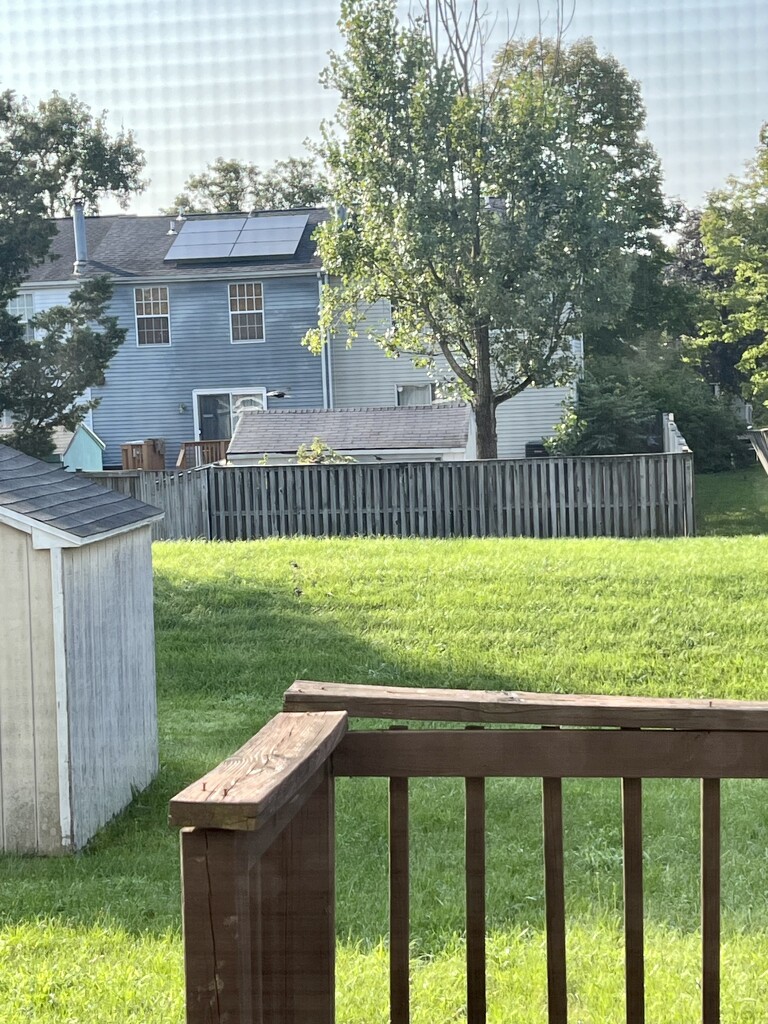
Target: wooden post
(220,917)
(297,916)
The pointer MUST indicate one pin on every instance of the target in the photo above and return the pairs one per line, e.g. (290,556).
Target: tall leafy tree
(734,232)
(499,212)
(43,380)
(230,186)
(65,152)
(50,155)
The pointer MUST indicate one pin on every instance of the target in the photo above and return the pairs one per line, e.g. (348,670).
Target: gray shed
(78,705)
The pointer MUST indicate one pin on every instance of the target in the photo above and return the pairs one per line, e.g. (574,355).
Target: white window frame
(231,313)
(414,384)
(222,391)
(25,315)
(136,317)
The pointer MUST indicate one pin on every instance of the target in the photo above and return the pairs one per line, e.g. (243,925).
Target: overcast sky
(197,79)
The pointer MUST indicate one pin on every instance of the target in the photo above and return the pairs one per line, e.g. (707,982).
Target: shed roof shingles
(407,427)
(65,501)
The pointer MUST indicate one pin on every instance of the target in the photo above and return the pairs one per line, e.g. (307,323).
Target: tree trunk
(485,409)
(485,421)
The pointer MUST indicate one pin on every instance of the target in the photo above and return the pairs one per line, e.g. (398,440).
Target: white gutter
(323,361)
(62,704)
(246,275)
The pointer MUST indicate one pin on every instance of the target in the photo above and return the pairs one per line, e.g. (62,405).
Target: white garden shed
(78,705)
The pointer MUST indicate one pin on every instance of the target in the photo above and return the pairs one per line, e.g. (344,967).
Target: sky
(199,79)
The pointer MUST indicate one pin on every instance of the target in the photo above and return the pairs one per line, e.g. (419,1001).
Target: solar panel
(223,238)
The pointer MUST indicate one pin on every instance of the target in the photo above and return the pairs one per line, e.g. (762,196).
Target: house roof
(49,497)
(428,427)
(135,247)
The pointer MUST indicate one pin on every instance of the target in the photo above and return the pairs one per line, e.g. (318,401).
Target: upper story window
(415,394)
(23,306)
(246,311)
(153,322)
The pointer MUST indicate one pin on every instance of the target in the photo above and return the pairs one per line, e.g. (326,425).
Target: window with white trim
(246,312)
(153,322)
(23,307)
(415,394)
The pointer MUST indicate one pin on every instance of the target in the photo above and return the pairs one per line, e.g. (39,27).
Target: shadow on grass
(732,504)
(227,648)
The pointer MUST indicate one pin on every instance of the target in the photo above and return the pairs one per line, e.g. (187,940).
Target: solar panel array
(228,237)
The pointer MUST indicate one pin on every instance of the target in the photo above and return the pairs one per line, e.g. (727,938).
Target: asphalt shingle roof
(65,501)
(135,247)
(408,427)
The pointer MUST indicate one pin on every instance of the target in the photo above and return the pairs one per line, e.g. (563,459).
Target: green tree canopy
(734,231)
(501,213)
(43,379)
(50,155)
(65,153)
(229,186)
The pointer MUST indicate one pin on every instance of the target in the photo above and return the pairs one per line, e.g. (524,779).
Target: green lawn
(732,504)
(96,937)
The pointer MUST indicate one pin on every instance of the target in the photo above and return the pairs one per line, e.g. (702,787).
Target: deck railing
(258,833)
(194,454)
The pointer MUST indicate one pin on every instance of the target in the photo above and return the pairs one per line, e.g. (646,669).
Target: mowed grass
(96,937)
(732,504)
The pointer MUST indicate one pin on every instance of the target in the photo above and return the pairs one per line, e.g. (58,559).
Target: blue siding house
(206,336)
(215,307)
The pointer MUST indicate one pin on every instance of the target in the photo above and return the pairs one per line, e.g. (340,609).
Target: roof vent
(171,228)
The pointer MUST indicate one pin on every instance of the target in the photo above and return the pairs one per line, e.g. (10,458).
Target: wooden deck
(258,833)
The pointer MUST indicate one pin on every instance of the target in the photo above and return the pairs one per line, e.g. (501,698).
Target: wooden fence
(257,846)
(617,496)
(183,496)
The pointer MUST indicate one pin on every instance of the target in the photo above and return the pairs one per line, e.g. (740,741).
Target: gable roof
(43,495)
(136,247)
(428,427)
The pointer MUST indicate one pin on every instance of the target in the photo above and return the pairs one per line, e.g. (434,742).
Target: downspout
(327,347)
(62,701)
(323,364)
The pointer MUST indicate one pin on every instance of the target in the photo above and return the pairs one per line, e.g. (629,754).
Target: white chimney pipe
(81,244)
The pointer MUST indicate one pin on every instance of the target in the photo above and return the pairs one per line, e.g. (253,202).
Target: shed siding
(83,453)
(111,676)
(29,781)
(364,376)
(146,386)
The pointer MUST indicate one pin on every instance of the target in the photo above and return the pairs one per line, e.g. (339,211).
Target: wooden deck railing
(258,833)
(194,454)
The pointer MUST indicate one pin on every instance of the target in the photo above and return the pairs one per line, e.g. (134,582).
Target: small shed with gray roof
(78,705)
(400,434)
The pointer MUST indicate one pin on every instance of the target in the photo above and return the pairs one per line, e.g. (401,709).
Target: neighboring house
(215,308)
(415,433)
